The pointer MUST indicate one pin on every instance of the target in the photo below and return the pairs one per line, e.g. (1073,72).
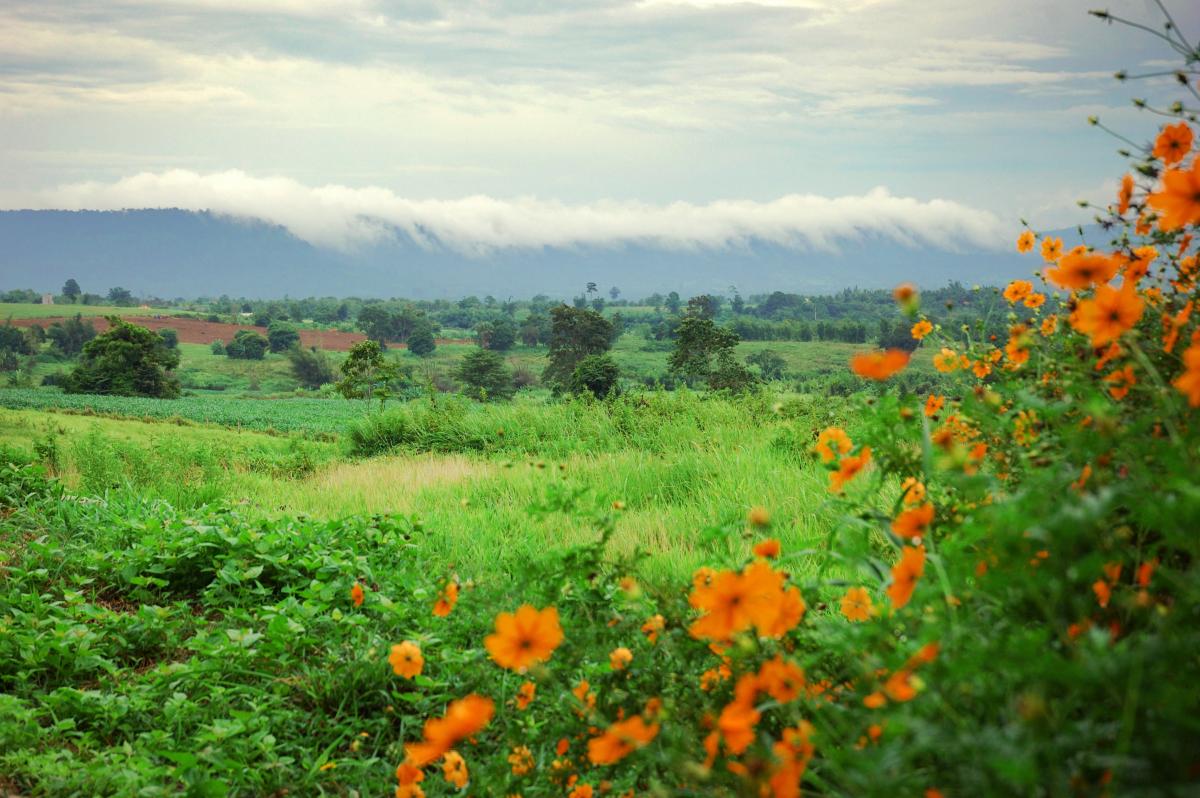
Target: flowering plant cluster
(1008,606)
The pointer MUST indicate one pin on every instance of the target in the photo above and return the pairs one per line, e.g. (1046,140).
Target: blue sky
(531,122)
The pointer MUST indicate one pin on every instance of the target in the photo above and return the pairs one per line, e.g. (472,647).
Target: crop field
(21,310)
(316,417)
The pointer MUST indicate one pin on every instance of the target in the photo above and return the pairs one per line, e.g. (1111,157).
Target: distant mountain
(172,253)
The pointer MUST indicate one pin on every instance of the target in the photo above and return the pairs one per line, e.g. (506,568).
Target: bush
(170,338)
(218,347)
(596,375)
(127,360)
(311,367)
(247,345)
(485,376)
(282,336)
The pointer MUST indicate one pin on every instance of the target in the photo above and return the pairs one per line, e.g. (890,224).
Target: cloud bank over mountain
(347,218)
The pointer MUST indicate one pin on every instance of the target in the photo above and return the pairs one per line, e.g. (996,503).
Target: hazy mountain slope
(178,253)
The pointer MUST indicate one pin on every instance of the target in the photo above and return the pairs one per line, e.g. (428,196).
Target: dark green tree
(673,303)
(121,297)
(127,360)
(697,341)
(367,374)
(282,336)
(485,376)
(247,345)
(730,374)
(595,374)
(70,335)
(71,290)
(498,335)
(575,333)
(421,341)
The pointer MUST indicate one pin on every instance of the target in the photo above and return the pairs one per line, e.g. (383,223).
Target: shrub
(282,336)
(247,345)
(311,367)
(485,376)
(596,375)
(127,360)
(170,338)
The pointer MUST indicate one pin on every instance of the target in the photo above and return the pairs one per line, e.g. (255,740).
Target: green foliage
(170,337)
(421,341)
(485,376)
(770,364)
(497,335)
(127,360)
(218,347)
(247,345)
(69,336)
(730,374)
(368,374)
(575,333)
(311,367)
(596,375)
(698,340)
(282,336)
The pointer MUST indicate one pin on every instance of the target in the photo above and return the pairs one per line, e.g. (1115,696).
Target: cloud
(343,217)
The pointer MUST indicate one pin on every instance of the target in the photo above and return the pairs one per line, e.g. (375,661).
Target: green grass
(317,418)
(22,310)
(201,370)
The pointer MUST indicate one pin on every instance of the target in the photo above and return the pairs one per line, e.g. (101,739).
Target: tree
(375,322)
(310,366)
(498,335)
(217,347)
(704,305)
(673,303)
(367,374)
(730,374)
(247,345)
(595,374)
(71,290)
(535,329)
(420,341)
(614,292)
(737,304)
(697,341)
(170,337)
(121,297)
(282,336)
(485,376)
(770,364)
(127,360)
(70,335)
(575,333)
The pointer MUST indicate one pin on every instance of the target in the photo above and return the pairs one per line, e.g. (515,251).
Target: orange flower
(356,594)
(831,442)
(913,491)
(848,469)
(406,660)
(582,791)
(1035,301)
(758,516)
(1103,592)
(905,292)
(454,768)
(1049,325)
(1051,249)
(921,329)
(734,602)
(1108,314)
(620,740)
(913,523)
(521,760)
(905,575)
(1188,383)
(736,724)
(981,368)
(1025,241)
(1178,204)
(899,687)
(1125,194)
(1017,290)
(1173,143)
(856,604)
(408,774)
(1123,380)
(879,365)
(524,638)
(525,695)
(782,679)
(463,718)
(653,627)
(619,658)
(768,548)
(933,405)
(945,361)
(446,600)
(1083,269)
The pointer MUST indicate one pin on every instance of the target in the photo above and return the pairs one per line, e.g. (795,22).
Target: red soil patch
(195,331)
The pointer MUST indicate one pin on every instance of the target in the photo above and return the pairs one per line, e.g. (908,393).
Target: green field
(20,310)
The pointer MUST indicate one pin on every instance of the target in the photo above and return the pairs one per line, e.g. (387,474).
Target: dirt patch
(196,331)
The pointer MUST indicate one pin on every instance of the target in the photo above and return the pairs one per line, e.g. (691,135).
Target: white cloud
(344,217)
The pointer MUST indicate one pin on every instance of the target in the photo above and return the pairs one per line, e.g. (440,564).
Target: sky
(518,123)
